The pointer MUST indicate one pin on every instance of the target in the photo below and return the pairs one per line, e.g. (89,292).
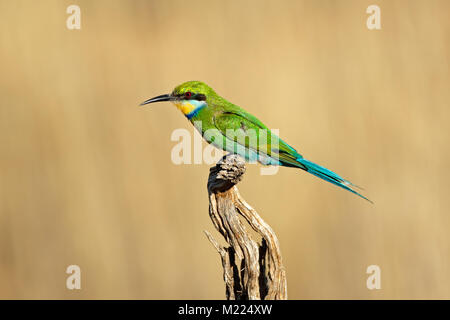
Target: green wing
(246,130)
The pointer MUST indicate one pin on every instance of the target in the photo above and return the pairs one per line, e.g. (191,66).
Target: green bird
(231,128)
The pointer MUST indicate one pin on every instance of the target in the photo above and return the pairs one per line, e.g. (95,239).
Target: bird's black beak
(163,97)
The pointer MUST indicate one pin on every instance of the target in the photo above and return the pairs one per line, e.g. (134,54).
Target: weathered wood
(252,270)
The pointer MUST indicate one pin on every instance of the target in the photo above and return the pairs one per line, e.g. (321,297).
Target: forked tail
(329,176)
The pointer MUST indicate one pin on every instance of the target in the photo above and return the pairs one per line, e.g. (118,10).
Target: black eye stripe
(200,97)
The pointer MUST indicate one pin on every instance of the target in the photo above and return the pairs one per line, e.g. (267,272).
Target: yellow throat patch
(185,106)
(189,107)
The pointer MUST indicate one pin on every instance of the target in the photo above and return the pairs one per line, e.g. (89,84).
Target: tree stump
(252,270)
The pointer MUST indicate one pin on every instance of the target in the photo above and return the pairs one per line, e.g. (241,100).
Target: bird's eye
(188,94)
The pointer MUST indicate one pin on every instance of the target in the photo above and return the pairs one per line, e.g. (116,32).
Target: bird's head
(189,97)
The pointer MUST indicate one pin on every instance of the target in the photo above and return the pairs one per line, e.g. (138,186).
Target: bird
(232,129)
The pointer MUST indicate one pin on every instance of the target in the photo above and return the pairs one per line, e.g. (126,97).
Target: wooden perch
(252,270)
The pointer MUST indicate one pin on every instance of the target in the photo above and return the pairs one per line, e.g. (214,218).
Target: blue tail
(328,175)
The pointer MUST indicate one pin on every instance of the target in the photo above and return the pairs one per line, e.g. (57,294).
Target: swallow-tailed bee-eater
(231,128)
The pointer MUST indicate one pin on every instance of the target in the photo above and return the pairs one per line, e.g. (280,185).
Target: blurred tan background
(86,175)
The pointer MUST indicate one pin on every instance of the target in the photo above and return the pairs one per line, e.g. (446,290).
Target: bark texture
(252,268)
